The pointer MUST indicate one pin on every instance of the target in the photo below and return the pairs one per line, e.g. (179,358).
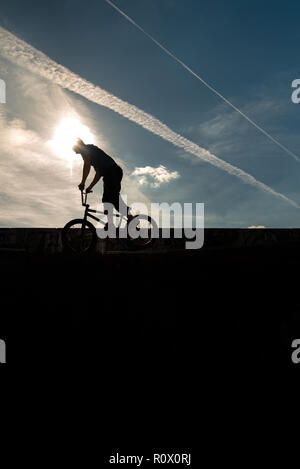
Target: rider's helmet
(79,146)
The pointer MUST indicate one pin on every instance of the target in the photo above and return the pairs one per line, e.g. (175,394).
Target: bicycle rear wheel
(145,227)
(79,236)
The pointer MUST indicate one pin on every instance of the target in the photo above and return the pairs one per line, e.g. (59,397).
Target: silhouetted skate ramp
(48,240)
(223,308)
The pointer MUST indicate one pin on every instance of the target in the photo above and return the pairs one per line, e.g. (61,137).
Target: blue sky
(245,49)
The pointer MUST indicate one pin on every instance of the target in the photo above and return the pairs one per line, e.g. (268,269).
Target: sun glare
(65,137)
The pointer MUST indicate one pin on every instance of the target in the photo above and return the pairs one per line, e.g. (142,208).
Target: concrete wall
(48,240)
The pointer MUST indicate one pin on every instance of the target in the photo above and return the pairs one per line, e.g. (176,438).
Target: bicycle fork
(84,223)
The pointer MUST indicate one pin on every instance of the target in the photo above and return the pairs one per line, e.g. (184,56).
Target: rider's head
(79,146)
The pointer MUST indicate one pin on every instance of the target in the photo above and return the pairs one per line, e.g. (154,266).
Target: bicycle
(80,235)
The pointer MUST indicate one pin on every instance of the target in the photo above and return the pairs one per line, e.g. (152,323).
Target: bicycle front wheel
(79,236)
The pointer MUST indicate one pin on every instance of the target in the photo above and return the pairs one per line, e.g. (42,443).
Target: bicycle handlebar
(83,199)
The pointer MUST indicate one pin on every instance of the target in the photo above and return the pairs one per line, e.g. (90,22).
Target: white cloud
(37,186)
(222,124)
(160,175)
(256,226)
(24,55)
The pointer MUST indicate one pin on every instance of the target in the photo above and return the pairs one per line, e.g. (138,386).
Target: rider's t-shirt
(101,161)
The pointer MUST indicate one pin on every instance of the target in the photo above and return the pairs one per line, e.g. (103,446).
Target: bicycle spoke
(79,239)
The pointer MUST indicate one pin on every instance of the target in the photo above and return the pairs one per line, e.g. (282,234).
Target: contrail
(211,88)
(24,55)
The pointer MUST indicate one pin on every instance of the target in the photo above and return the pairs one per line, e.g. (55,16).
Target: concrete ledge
(48,240)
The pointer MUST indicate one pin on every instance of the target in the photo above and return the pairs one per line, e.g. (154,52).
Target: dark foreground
(151,337)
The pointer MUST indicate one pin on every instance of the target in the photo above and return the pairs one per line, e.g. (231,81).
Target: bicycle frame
(79,227)
(88,211)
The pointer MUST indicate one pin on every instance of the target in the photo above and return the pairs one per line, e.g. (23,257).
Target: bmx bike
(80,235)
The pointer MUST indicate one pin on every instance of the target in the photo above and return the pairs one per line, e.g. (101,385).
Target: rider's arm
(95,180)
(86,169)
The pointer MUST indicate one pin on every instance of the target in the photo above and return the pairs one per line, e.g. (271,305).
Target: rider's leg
(112,188)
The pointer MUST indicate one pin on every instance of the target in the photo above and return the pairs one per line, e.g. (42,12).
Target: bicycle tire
(78,248)
(137,243)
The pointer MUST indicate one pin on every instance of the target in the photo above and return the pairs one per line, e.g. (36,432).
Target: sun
(65,137)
